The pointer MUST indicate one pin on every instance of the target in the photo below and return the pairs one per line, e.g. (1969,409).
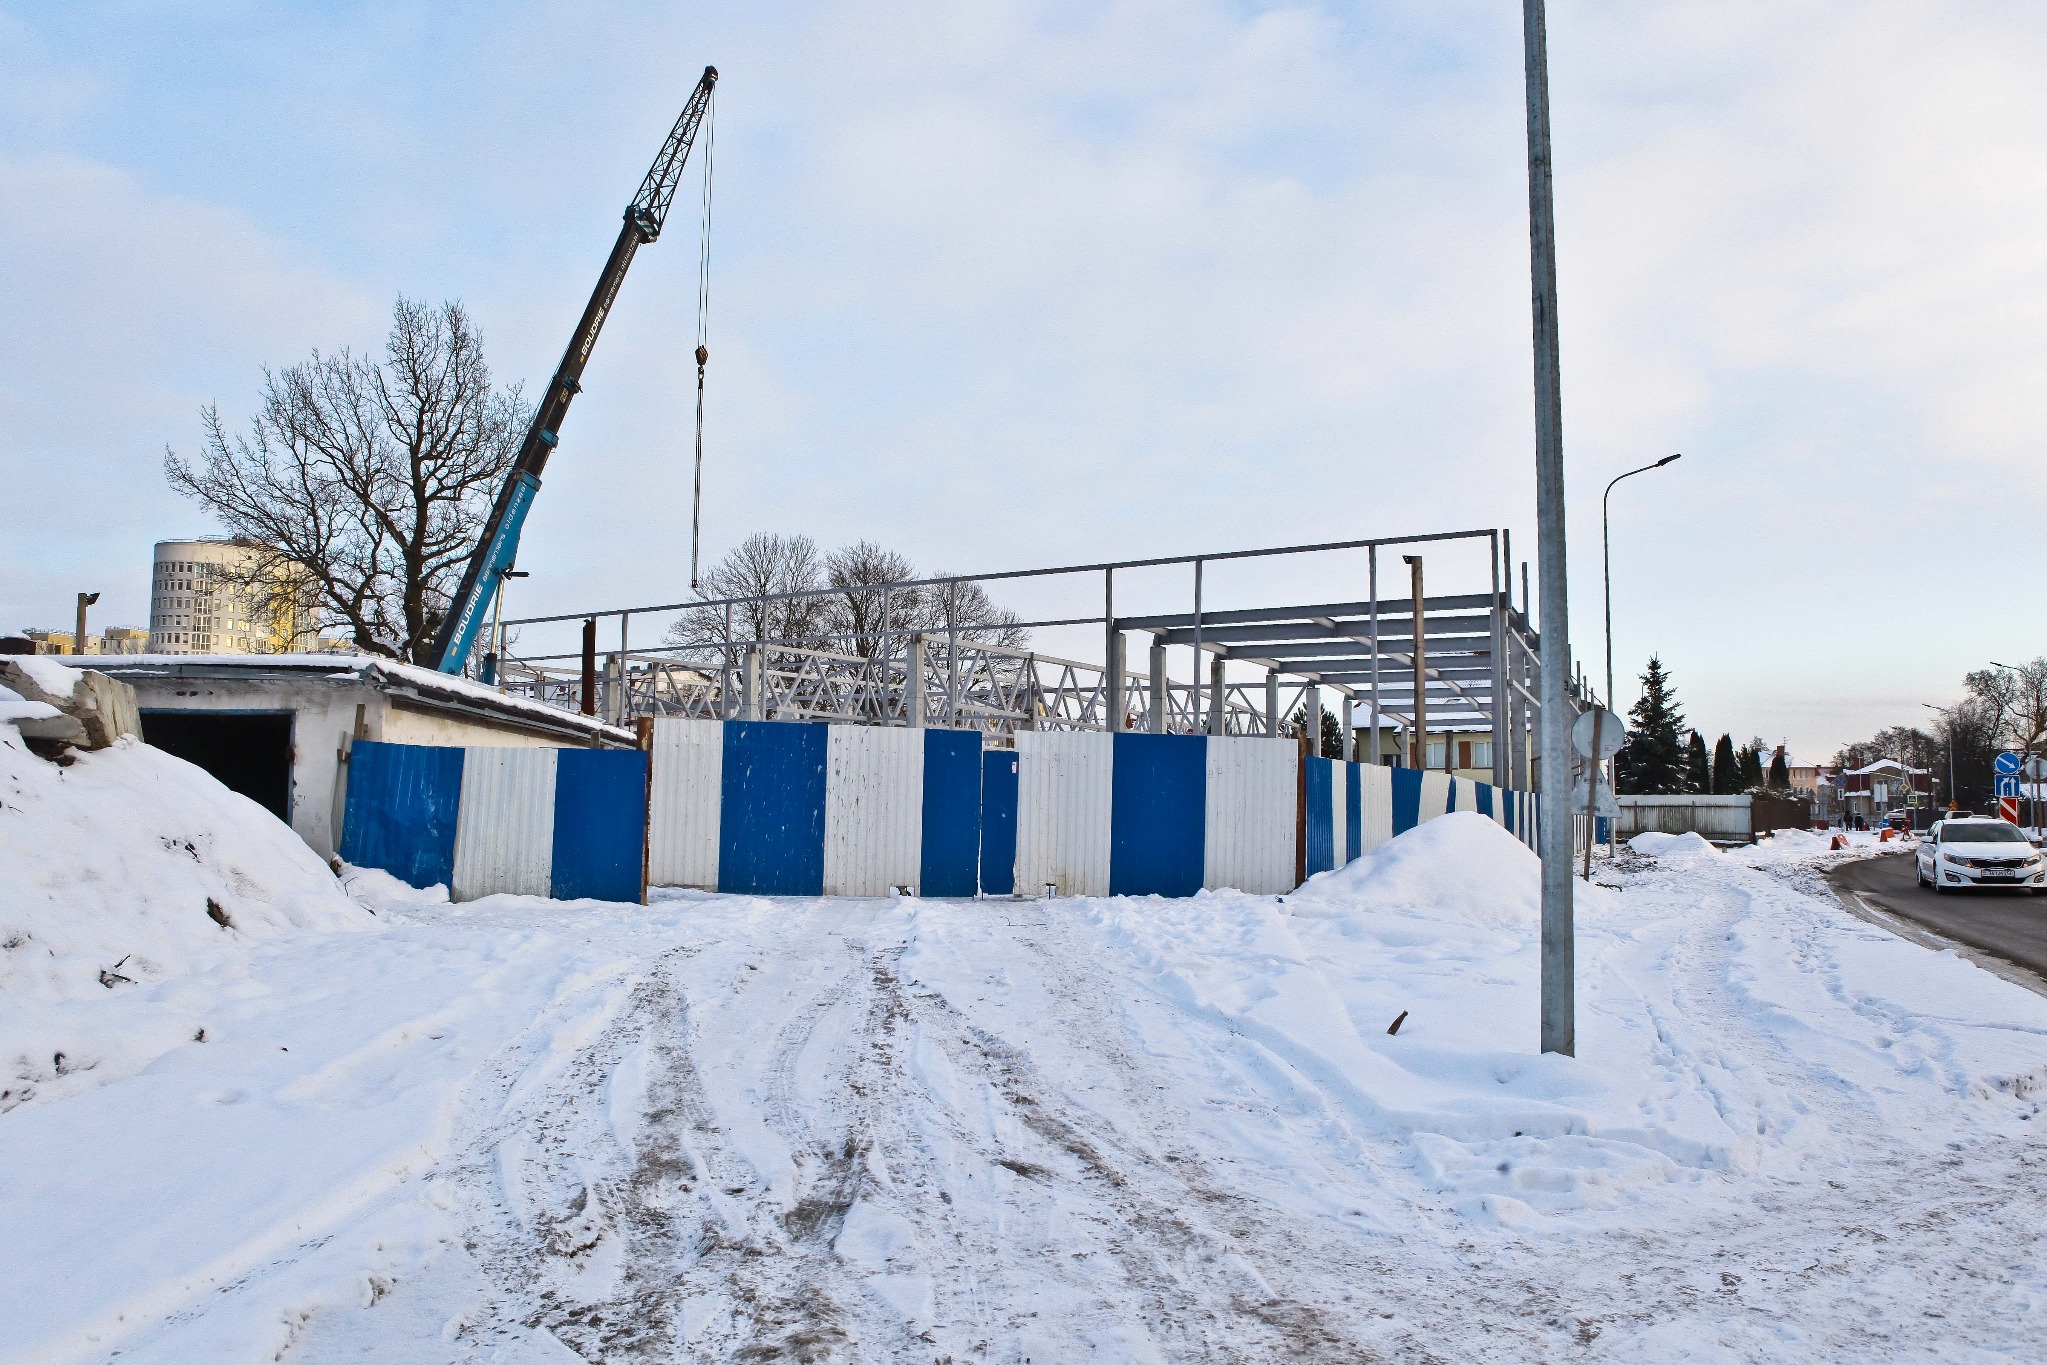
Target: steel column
(1419,731)
(1158,686)
(913,680)
(1194,690)
(1372,571)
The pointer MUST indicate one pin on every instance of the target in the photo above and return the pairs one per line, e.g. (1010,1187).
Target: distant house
(1883,786)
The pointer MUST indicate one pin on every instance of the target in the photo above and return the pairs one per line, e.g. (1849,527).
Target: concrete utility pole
(1559,1007)
(85,599)
(1420,732)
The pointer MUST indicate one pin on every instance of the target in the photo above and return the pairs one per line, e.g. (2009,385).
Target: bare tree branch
(363,485)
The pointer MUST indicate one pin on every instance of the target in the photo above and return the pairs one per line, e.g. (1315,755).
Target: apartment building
(201,602)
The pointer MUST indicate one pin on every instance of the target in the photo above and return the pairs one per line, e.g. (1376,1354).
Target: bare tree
(364,484)
(869,583)
(973,614)
(868,602)
(763,566)
(2017,701)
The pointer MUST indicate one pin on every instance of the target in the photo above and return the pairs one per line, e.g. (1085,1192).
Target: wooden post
(1301,752)
(590,666)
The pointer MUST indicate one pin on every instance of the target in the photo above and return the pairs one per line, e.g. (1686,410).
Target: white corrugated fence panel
(1063,793)
(688,782)
(1248,823)
(1376,807)
(1339,807)
(504,829)
(1435,796)
(873,809)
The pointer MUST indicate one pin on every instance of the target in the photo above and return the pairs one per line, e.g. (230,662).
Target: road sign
(2007,763)
(2036,769)
(1613,732)
(1602,801)
(2007,787)
(2008,809)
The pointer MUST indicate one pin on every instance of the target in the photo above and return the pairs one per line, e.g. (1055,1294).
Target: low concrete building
(277,728)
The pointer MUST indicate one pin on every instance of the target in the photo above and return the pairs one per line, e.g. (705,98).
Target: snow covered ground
(726,1128)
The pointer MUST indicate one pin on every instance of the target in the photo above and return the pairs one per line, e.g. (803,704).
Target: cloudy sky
(1004,284)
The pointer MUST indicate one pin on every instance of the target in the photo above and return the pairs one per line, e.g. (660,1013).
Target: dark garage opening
(250,752)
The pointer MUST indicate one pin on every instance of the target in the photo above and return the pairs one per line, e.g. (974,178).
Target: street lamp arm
(1606,559)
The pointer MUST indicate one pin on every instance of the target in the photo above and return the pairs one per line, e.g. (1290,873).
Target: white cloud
(129,308)
(1007,283)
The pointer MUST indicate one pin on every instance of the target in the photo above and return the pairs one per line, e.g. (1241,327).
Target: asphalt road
(2010,924)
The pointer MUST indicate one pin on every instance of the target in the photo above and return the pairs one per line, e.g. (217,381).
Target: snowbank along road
(722,1128)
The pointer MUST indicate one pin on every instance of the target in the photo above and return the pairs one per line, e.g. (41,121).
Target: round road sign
(1613,732)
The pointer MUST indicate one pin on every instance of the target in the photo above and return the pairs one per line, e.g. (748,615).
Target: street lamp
(1606,563)
(85,599)
(1950,736)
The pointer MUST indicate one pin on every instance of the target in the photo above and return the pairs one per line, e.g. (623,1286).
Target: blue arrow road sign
(2007,785)
(2008,763)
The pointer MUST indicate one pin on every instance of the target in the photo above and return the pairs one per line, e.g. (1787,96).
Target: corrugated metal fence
(808,809)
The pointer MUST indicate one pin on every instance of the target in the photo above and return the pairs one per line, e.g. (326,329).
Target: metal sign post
(1597,736)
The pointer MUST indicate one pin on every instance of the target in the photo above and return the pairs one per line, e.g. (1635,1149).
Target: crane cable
(696,514)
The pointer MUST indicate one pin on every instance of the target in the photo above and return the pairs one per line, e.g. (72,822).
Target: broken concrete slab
(102,708)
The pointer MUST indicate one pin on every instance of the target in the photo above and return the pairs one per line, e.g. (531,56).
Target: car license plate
(1997,877)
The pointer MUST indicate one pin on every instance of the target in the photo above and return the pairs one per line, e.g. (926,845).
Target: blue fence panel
(1354,812)
(1485,798)
(600,824)
(1407,799)
(1321,851)
(998,822)
(771,810)
(952,813)
(402,804)
(1158,809)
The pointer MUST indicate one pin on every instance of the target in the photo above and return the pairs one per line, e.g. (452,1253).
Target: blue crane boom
(499,545)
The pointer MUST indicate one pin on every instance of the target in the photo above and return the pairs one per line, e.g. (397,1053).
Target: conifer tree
(1653,762)
(1698,771)
(1726,768)
(1751,768)
(1780,771)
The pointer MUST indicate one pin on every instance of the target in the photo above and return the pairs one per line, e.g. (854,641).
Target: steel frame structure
(1480,668)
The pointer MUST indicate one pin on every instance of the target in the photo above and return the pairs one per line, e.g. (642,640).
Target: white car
(1957,853)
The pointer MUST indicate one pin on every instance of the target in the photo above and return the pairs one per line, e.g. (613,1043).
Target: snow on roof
(1886,765)
(370,669)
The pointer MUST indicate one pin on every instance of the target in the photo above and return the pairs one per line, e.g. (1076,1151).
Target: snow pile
(1460,866)
(1672,846)
(124,869)
(731,1128)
